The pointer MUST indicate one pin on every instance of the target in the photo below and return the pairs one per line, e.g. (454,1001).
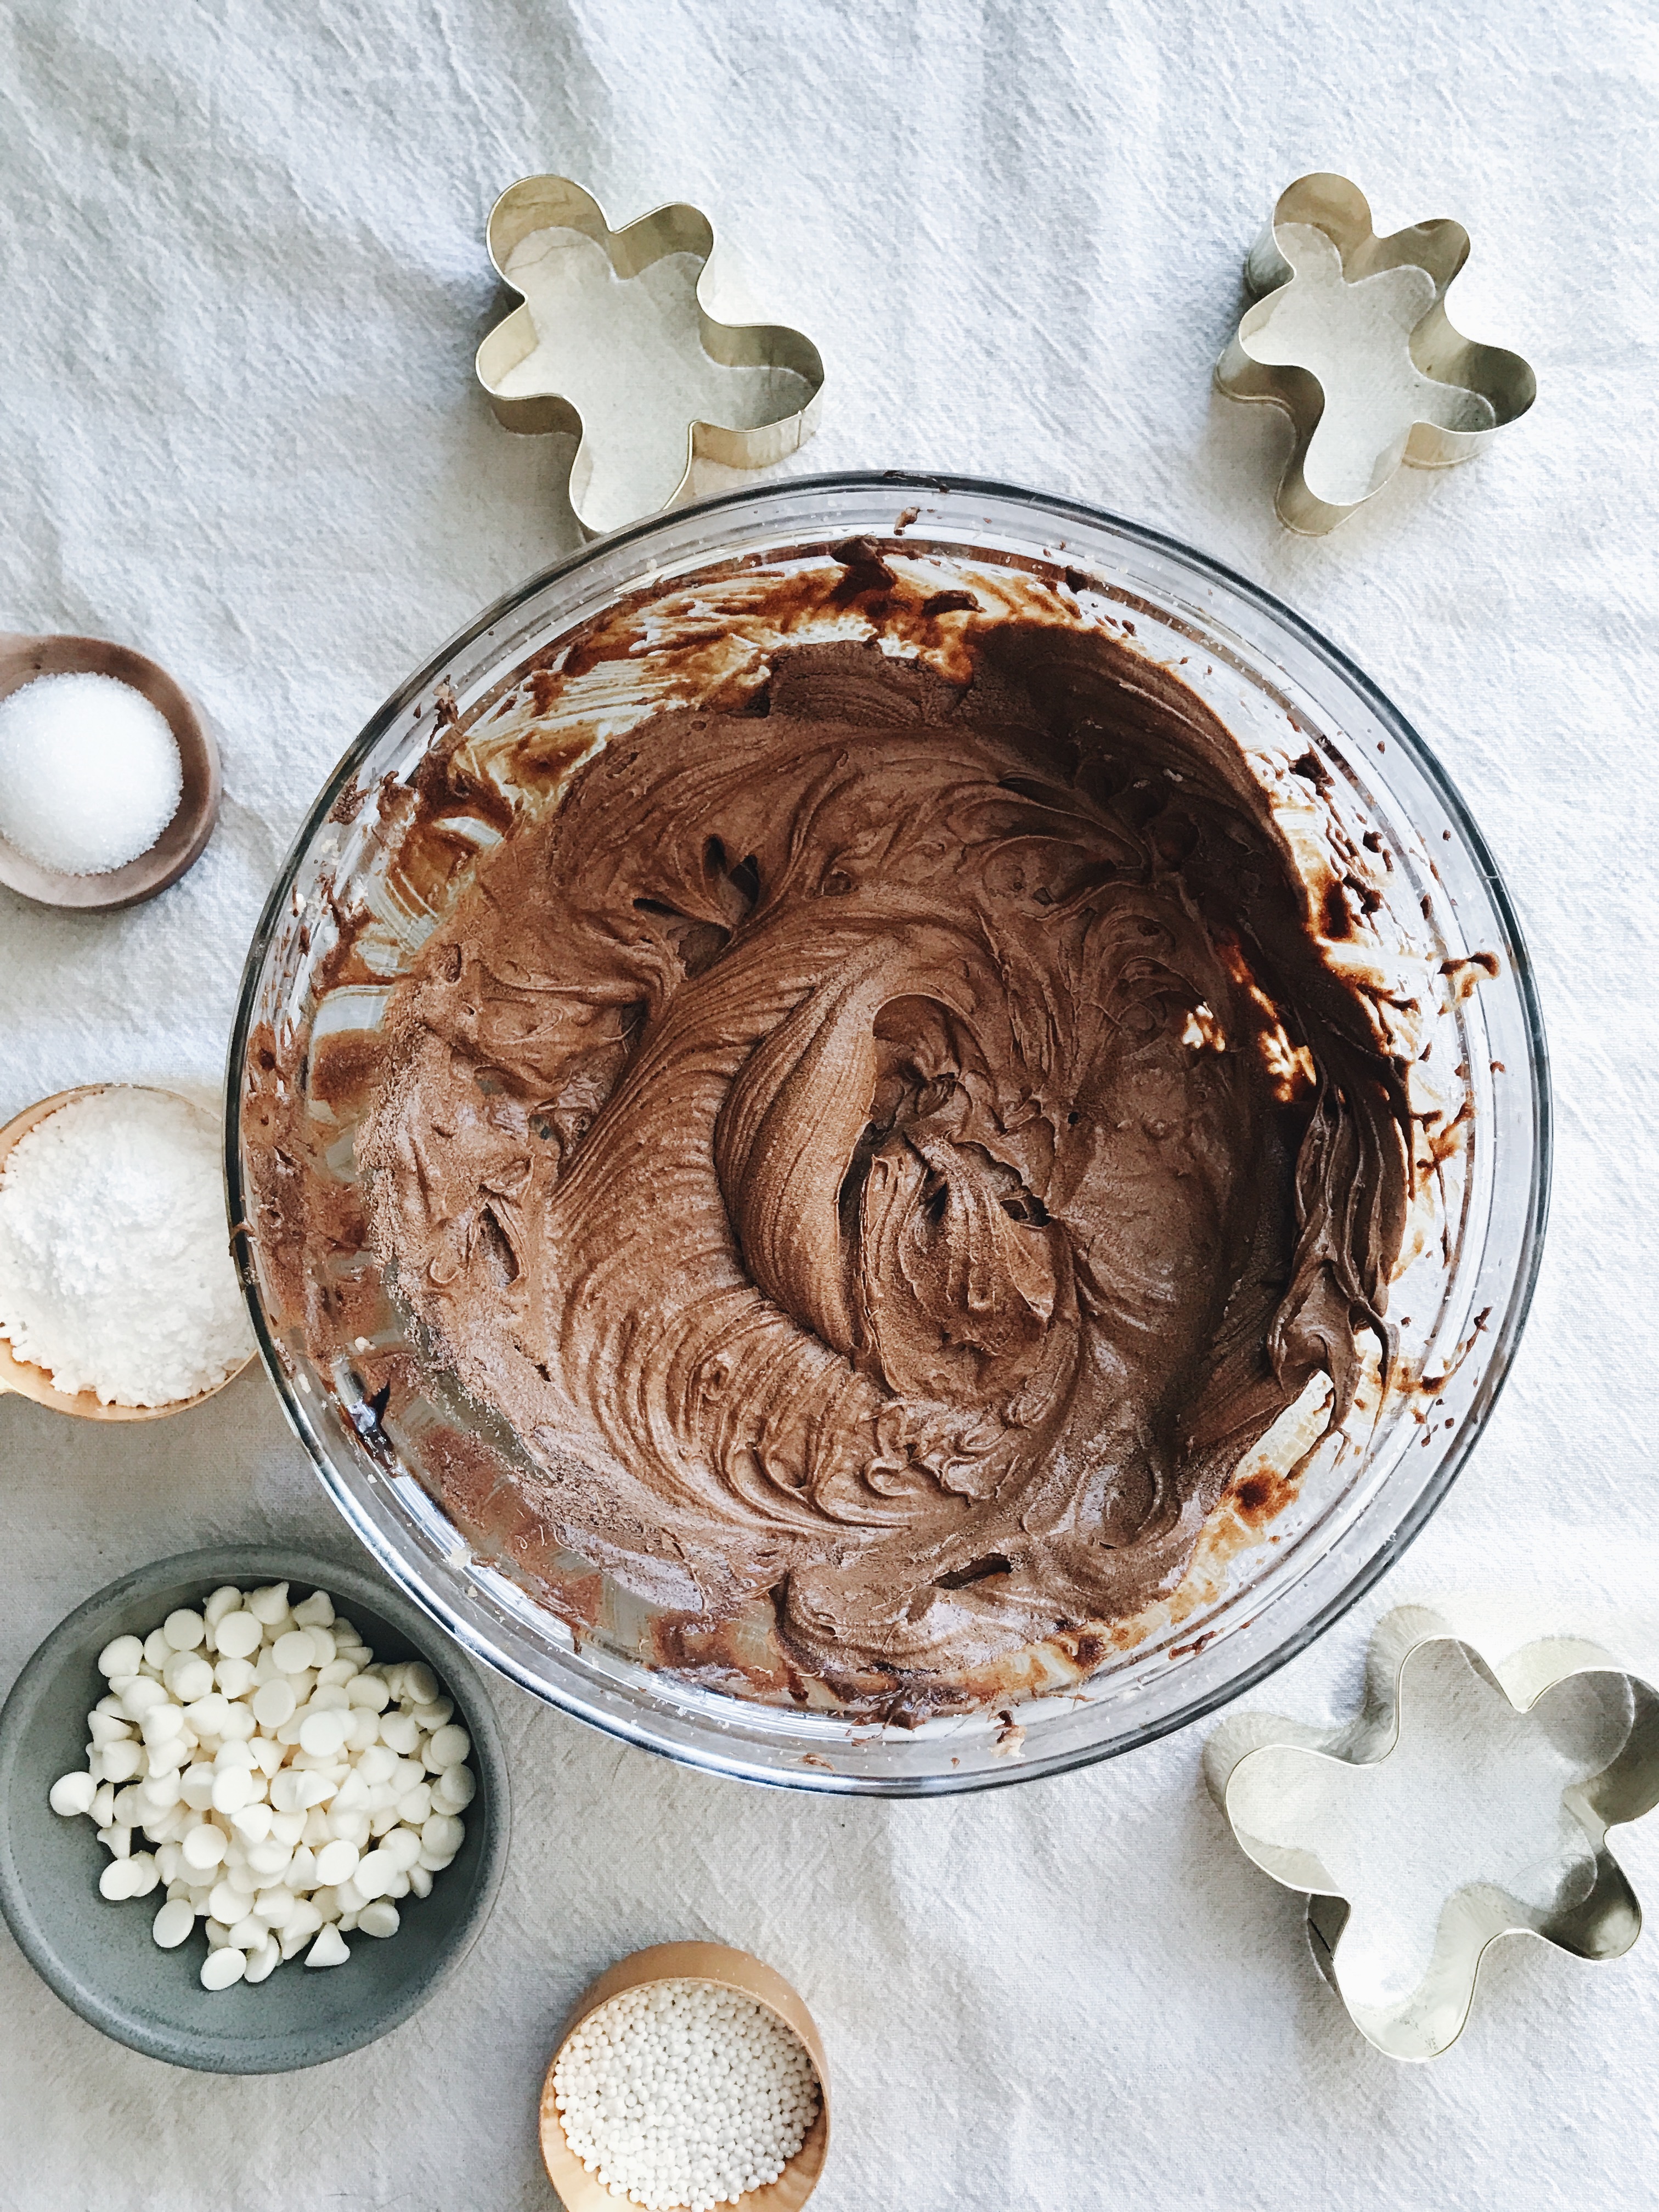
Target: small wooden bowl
(21,659)
(582,2191)
(22,1376)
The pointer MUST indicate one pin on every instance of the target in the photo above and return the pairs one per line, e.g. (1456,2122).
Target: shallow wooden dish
(582,2191)
(21,659)
(22,1376)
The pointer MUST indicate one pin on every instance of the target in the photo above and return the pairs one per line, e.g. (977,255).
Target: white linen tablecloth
(243,276)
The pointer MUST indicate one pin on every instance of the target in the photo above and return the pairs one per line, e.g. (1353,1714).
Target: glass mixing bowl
(1279,1560)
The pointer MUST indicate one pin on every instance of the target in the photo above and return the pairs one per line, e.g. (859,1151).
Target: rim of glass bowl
(694,1737)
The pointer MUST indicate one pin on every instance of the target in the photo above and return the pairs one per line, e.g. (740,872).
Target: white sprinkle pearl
(685,2093)
(292,1789)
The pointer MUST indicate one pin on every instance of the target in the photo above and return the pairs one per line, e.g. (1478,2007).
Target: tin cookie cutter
(1338,1815)
(523,379)
(1352,341)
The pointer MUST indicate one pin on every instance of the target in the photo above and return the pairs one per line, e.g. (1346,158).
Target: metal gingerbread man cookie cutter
(1424,395)
(1285,1787)
(537,205)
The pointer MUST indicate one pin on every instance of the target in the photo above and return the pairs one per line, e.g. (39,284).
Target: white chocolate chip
(234,1677)
(330,1949)
(232,1789)
(115,1880)
(121,1761)
(336,1862)
(188,1677)
(269,1605)
(222,1968)
(399,1732)
(71,1794)
(454,1790)
(203,1846)
(450,1747)
(174,1922)
(443,1835)
(323,1733)
(375,1875)
(401,1849)
(253,1823)
(223,1601)
(273,1703)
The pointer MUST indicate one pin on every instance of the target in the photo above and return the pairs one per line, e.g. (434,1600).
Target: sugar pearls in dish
(280,1785)
(684,2093)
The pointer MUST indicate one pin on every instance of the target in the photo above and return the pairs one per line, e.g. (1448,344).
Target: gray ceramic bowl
(100,1958)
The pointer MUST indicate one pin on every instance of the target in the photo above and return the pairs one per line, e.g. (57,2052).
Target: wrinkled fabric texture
(243,278)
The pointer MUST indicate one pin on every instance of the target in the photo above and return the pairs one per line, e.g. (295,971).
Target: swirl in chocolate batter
(895,1148)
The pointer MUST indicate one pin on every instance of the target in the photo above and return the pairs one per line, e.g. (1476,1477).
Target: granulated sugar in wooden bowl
(686,2073)
(109,775)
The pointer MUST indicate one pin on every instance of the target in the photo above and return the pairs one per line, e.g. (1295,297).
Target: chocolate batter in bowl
(889,1134)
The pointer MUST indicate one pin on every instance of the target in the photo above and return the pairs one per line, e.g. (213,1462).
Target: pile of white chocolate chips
(291,1789)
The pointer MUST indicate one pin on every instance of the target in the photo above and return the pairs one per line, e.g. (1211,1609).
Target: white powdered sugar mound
(115,1270)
